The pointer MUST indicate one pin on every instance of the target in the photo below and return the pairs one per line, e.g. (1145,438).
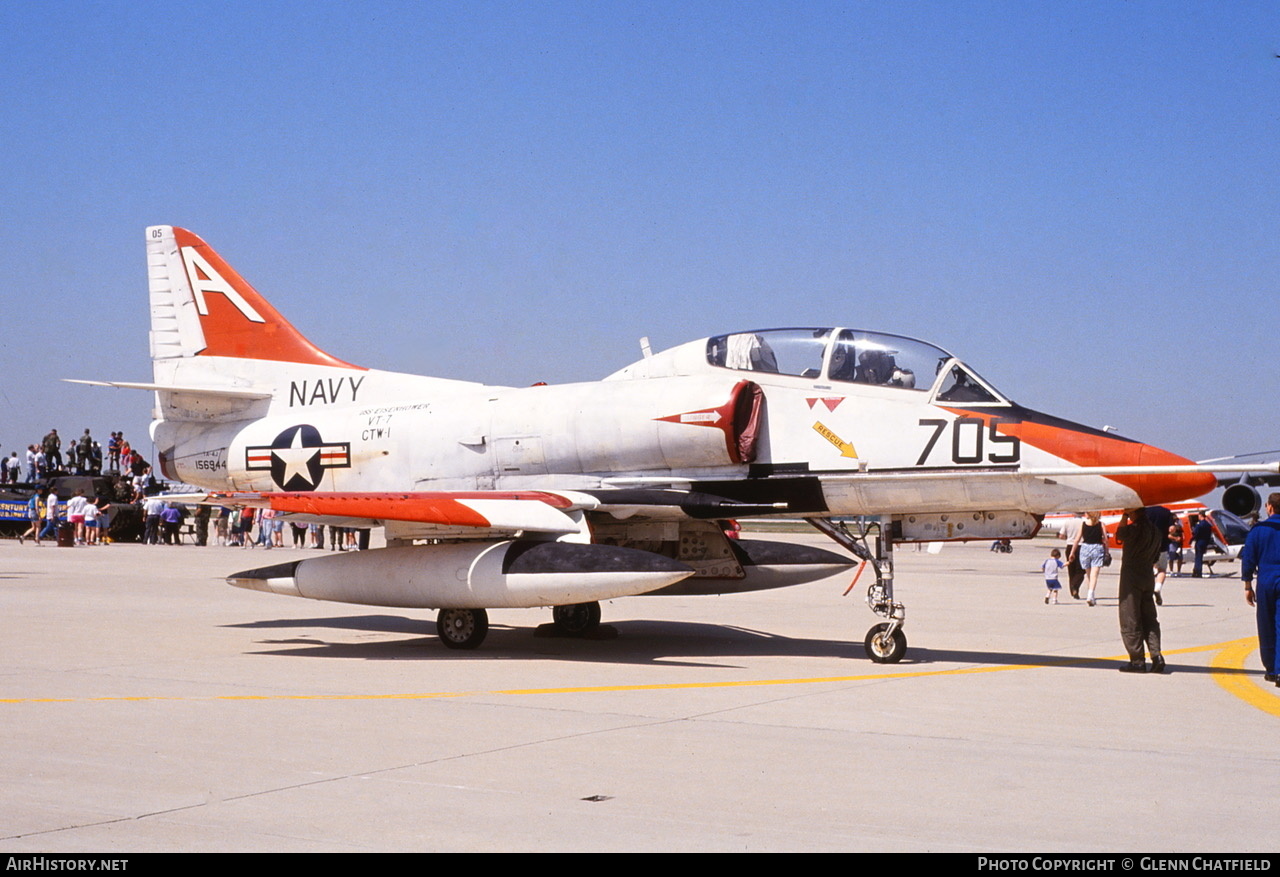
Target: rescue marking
(846,449)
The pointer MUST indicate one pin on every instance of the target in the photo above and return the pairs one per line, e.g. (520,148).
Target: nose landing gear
(886,642)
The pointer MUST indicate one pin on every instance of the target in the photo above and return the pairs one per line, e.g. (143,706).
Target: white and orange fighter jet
(562,496)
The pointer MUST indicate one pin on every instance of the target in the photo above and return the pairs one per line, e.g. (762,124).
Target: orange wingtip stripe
(427,507)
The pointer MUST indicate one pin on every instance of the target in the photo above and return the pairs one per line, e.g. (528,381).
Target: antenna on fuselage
(645,348)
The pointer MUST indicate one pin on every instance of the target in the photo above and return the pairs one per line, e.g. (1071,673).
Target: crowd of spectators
(50,458)
(161,521)
(84,513)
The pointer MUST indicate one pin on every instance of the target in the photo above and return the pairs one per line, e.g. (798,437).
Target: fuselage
(829,421)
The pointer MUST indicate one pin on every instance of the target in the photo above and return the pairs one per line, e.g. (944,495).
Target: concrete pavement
(149,706)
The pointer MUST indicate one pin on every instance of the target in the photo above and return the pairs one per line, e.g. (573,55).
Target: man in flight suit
(1139,626)
(1261,555)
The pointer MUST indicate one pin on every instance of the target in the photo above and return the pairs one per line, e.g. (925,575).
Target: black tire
(462,628)
(884,650)
(576,618)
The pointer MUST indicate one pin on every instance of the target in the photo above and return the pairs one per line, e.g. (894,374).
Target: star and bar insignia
(298,457)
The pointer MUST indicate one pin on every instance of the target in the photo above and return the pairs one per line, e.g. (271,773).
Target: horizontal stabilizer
(223,392)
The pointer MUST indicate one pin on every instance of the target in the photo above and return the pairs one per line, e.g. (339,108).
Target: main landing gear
(462,628)
(886,642)
(576,619)
(467,628)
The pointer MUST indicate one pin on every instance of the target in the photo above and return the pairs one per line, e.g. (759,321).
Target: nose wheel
(886,643)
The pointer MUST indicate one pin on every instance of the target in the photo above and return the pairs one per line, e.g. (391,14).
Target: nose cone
(1087,447)
(1169,487)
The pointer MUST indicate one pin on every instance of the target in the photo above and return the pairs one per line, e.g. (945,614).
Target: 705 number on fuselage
(973,440)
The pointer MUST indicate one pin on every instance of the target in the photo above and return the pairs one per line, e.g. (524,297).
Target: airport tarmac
(148,706)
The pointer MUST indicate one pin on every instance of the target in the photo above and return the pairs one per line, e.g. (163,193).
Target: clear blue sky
(1079,199)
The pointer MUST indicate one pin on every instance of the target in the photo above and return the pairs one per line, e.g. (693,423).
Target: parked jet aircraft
(566,495)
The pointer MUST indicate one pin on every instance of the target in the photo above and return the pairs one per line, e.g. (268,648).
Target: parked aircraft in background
(1229,530)
(566,495)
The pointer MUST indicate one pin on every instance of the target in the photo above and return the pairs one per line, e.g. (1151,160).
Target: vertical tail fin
(200,306)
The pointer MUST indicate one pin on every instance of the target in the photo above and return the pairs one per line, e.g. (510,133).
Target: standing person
(1091,549)
(50,516)
(1175,546)
(170,520)
(151,510)
(1075,572)
(1261,556)
(35,513)
(32,467)
(113,454)
(86,453)
(52,447)
(1162,519)
(1139,625)
(1051,584)
(245,528)
(1201,536)
(201,517)
(75,514)
(266,526)
(104,521)
(91,522)
(220,522)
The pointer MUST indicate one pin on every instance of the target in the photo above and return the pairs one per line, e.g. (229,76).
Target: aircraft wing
(483,514)
(466,511)
(472,513)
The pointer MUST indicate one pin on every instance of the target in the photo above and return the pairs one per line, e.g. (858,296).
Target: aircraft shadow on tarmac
(640,642)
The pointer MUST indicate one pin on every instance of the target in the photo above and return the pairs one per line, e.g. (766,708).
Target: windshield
(1232,528)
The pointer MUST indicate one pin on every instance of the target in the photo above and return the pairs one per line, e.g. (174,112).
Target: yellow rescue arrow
(846,449)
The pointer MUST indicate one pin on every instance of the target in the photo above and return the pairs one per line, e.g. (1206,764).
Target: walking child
(1051,584)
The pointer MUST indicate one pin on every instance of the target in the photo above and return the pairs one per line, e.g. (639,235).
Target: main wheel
(885,649)
(576,618)
(462,628)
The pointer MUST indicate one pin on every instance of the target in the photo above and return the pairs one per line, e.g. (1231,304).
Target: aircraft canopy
(853,356)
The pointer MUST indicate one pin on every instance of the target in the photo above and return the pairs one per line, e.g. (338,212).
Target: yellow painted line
(1226,668)
(1230,658)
